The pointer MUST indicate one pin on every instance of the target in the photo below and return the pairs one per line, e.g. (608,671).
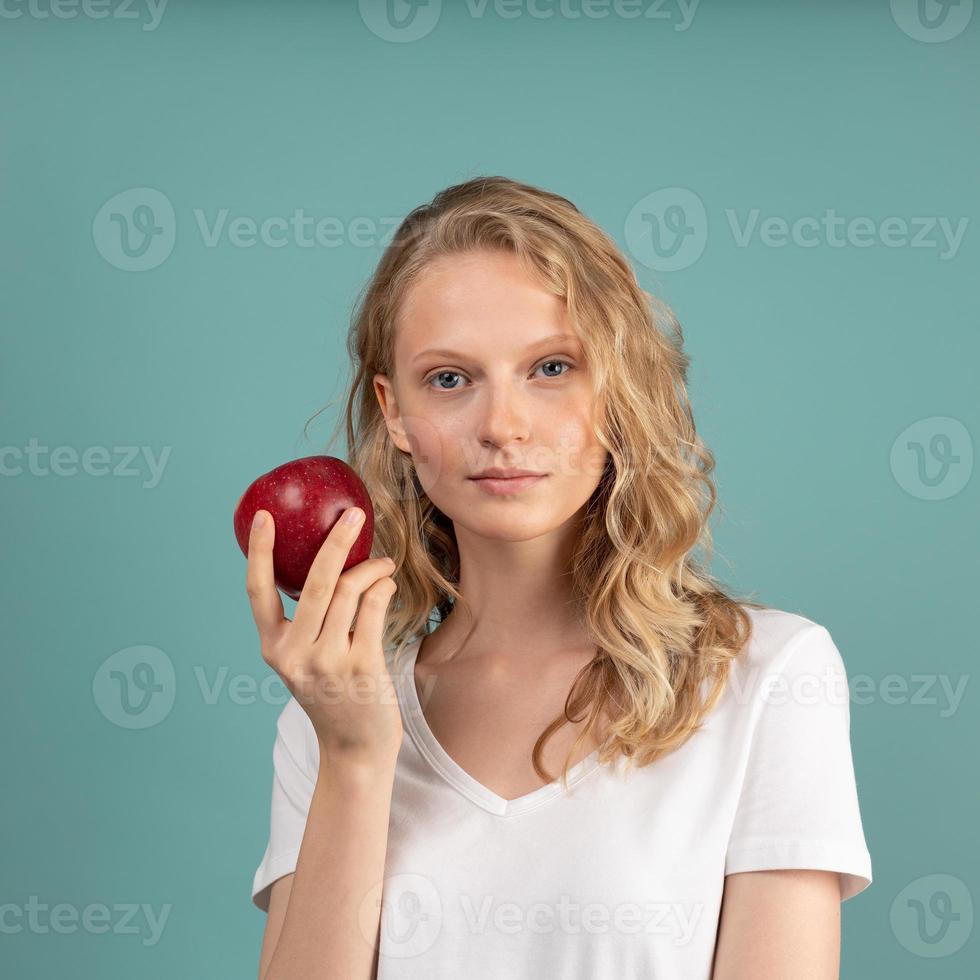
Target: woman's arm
(329,928)
(278,900)
(324,923)
(781,925)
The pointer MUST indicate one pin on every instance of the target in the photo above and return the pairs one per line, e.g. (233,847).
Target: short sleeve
(293,782)
(798,806)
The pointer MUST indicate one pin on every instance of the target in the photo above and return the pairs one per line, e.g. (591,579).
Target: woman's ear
(384,390)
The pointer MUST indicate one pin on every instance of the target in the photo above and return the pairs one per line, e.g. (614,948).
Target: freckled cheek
(577,453)
(437,443)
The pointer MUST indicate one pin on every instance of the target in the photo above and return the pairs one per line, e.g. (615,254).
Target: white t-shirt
(622,876)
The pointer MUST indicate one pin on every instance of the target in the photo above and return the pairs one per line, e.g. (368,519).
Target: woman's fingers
(371,616)
(321,580)
(328,602)
(260,580)
(351,590)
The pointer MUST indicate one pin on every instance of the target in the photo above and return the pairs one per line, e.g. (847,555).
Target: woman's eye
(547,363)
(444,374)
(440,376)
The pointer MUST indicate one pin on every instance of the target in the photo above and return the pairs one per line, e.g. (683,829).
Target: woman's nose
(505,415)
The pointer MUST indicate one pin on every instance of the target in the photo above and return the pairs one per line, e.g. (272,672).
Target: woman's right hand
(337,674)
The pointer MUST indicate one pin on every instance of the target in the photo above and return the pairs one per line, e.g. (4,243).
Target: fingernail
(353,516)
(259,519)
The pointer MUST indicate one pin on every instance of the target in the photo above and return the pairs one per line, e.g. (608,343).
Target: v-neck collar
(454,774)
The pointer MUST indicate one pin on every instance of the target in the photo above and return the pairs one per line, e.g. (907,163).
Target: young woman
(706,822)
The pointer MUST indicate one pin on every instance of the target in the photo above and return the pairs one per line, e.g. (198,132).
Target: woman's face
(488,373)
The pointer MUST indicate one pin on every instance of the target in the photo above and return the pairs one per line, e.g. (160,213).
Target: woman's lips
(515,484)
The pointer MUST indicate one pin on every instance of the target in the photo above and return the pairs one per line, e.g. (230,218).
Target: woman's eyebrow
(555,338)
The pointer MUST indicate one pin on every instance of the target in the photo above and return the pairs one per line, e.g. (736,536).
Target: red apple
(305,497)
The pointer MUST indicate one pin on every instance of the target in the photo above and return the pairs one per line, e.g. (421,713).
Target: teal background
(808,364)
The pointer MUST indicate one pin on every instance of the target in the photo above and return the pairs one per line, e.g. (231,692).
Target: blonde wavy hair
(666,633)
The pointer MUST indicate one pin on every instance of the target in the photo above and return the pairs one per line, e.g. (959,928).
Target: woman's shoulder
(789,673)
(782,642)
